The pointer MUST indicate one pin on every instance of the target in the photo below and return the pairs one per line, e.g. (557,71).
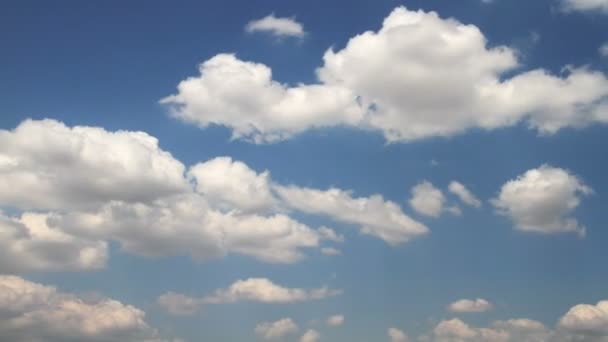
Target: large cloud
(31,312)
(70,190)
(542,199)
(376,216)
(586,321)
(259,290)
(428,76)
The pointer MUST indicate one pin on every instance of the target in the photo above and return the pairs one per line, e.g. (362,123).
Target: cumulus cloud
(469,305)
(586,321)
(464,194)
(259,290)
(335,320)
(27,243)
(428,76)
(276,330)
(542,199)
(397,335)
(585,5)
(310,335)
(35,312)
(427,199)
(277,26)
(376,216)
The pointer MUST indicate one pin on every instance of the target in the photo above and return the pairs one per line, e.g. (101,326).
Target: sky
(303,171)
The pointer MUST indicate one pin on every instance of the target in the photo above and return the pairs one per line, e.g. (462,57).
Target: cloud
(259,290)
(585,5)
(376,216)
(28,244)
(515,330)
(233,185)
(276,330)
(542,199)
(468,306)
(397,335)
(277,26)
(428,77)
(310,335)
(82,167)
(586,321)
(464,194)
(427,199)
(35,312)
(335,320)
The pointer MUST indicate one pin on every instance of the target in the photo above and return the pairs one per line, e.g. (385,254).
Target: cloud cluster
(259,290)
(542,199)
(70,190)
(428,76)
(428,200)
(35,312)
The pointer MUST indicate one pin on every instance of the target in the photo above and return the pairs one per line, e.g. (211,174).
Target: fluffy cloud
(75,167)
(376,216)
(276,330)
(310,335)
(233,185)
(259,290)
(335,320)
(542,199)
(427,199)
(585,5)
(464,194)
(516,330)
(428,76)
(35,312)
(586,321)
(397,335)
(27,244)
(468,305)
(277,26)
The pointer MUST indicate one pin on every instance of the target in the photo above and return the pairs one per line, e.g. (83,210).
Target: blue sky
(197,172)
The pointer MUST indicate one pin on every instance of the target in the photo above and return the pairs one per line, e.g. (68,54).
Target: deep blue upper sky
(108,63)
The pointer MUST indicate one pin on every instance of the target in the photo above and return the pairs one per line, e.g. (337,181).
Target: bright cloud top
(277,26)
(428,77)
(259,290)
(542,199)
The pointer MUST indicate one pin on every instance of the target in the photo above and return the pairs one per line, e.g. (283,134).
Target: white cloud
(335,320)
(259,290)
(397,335)
(35,312)
(46,165)
(464,194)
(376,216)
(585,5)
(27,244)
(277,26)
(427,199)
(468,305)
(233,185)
(428,76)
(542,199)
(586,321)
(276,330)
(515,330)
(310,335)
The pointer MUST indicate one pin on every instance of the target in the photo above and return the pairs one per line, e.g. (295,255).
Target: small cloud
(276,26)
(330,251)
(470,306)
(335,320)
(603,50)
